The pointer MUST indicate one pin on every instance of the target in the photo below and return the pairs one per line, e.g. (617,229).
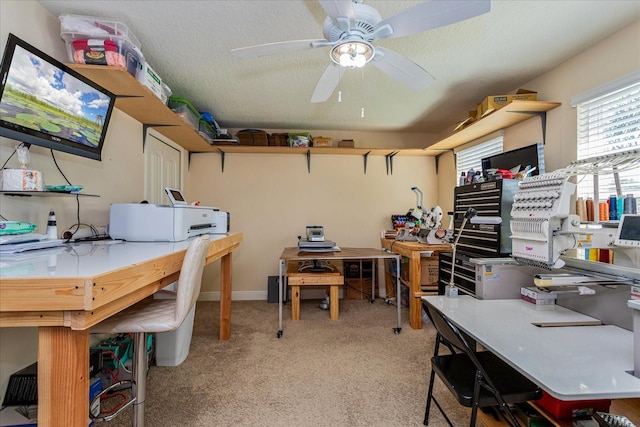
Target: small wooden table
(297,279)
(293,254)
(413,251)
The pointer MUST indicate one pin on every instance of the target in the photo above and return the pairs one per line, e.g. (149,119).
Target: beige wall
(272,198)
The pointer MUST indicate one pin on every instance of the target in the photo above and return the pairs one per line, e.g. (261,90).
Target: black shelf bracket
(389,161)
(146,127)
(543,120)
(222,154)
(365,157)
(437,159)
(309,161)
(189,154)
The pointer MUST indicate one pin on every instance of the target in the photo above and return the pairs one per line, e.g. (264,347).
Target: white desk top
(568,362)
(86,259)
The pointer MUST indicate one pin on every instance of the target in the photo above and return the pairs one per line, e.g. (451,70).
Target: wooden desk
(293,254)
(64,291)
(413,251)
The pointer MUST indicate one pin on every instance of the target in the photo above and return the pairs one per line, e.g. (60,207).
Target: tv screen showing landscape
(43,102)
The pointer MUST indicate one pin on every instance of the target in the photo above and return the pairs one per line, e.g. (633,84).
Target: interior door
(163,168)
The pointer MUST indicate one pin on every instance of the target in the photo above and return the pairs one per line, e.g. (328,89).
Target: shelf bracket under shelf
(543,119)
(437,159)
(309,161)
(146,127)
(389,161)
(222,154)
(365,156)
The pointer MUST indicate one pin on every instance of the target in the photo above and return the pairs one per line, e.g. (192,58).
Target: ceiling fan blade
(327,83)
(341,12)
(274,48)
(428,15)
(402,69)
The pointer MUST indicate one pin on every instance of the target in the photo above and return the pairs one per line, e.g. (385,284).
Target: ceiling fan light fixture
(353,54)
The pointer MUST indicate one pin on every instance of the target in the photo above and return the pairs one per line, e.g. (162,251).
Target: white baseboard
(235,296)
(259,295)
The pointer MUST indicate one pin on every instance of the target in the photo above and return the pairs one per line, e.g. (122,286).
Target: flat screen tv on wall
(43,102)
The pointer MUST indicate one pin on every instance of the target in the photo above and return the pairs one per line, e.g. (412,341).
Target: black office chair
(478,379)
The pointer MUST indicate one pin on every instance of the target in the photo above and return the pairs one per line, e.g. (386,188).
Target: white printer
(144,222)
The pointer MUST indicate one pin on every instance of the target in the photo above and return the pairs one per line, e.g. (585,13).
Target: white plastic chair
(154,315)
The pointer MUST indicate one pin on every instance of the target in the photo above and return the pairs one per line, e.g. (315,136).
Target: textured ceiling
(188,44)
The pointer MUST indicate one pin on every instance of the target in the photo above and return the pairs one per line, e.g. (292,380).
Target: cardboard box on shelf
(466,122)
(495,102)
(428,271)
(148,77)
(319,141)
(253,137)
(279,139)
(346,143)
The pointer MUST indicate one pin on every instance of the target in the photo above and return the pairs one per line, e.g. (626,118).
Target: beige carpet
(351,372)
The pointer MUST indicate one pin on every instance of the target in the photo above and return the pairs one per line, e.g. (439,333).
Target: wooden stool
(295,279)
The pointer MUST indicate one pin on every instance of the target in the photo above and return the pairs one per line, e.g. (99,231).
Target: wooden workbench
(66,290)
(413,251)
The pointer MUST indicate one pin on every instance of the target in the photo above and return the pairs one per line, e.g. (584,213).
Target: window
(471,158)
(609,123)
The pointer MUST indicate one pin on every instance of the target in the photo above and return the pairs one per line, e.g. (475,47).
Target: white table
(64,291)
(568,362)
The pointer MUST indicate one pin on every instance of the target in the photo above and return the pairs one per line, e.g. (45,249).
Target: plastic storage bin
(570,409)
(300,139)
(100,41)
(185,110)
(207,131)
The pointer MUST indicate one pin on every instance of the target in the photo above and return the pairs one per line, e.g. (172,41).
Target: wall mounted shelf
(137,101)
(45,194)
(140,103)
(509,115)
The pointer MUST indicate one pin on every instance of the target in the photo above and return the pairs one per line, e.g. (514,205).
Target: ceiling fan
(351,29)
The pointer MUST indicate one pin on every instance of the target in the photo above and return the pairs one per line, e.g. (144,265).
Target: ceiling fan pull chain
(339,84)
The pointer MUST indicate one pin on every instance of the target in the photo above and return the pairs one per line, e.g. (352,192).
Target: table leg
(225,297)
(415,307)
(398,290)
(63,377)
(295,302)
(374,265)
(334,291)
(280,292)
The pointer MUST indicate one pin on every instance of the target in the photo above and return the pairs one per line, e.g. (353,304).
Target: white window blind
(608,123)
(471,158)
